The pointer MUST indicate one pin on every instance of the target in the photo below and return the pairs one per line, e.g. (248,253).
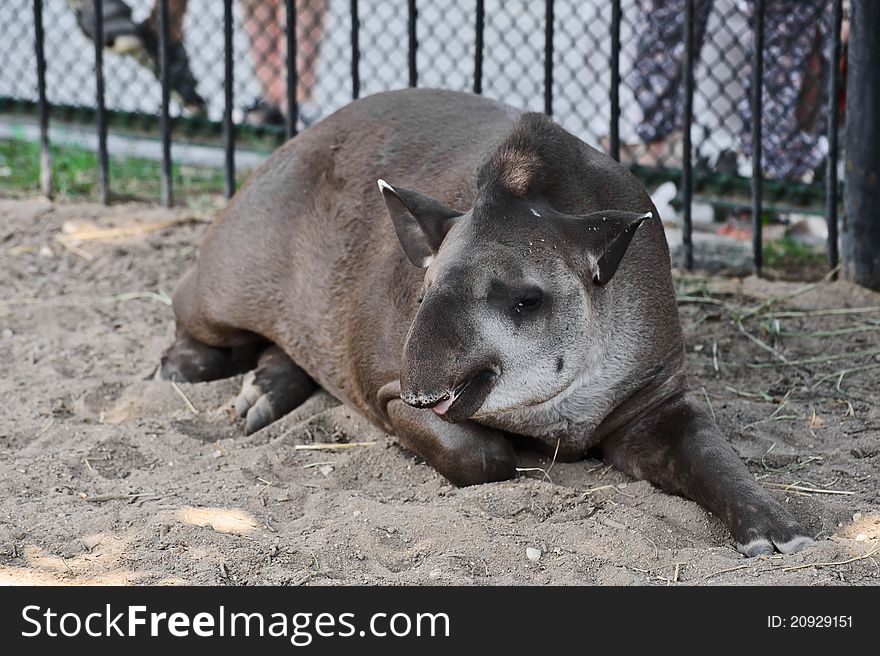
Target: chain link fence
(651,36)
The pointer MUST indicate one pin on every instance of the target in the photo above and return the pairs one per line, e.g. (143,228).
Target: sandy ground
(109,477)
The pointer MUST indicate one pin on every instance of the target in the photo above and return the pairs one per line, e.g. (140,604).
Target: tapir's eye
(528,301)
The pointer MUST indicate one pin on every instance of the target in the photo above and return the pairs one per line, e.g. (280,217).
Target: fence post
(548,57)
(614,146)
(757,132)
(101,115)
(42,102)
(861,221)
(228,98)
(831,186)
(355,51)
(480,29)
(413,43)
(165,116)
(687,172)
(291,55)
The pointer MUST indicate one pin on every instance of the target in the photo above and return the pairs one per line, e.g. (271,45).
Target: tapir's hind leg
(274,388)
(204,349)
(190,361)
(680,449)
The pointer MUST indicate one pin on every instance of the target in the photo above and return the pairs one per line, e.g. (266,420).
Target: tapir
(461,272)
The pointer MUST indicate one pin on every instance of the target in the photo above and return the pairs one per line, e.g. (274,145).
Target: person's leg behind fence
(265,23)
(794,108)
(657,74)
(141,40)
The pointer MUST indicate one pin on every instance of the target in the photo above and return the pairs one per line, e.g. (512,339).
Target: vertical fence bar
(292,72)
(548,58)
(614,146)
(228,79)
(480,29)
(101,114)
(860,228)
(165,118)
(757,146)
(413,42)
(833,141)
(42,102)
(355,50)
(687,177)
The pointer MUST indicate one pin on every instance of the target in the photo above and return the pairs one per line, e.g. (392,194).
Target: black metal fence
(682,87)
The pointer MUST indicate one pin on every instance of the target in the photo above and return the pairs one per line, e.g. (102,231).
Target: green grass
(196,129)
(75,173)
(787,254)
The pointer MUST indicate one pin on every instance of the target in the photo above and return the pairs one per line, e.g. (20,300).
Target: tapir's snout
(457,402)
(422,400)
(443,368)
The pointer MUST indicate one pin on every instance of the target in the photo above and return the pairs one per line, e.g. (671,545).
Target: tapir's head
(506,308)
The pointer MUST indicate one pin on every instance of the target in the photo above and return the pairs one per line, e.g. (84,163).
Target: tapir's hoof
(766,547)
(190,361)
(273,389)
(253,405)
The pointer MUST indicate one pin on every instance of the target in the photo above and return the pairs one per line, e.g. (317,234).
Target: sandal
(261,112)
(120,31)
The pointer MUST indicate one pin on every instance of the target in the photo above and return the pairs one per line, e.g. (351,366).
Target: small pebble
(91,541)
(533,554)
(857,516)
(861,537)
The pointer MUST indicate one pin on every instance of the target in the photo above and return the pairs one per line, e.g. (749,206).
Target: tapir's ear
(420,222)
(613,230)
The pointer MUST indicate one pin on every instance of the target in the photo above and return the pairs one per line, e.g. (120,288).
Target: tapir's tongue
(443,406)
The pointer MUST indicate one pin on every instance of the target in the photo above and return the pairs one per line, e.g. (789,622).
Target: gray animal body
(460,272)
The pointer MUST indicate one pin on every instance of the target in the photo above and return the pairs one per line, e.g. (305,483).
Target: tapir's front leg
(680,449)
(465,453)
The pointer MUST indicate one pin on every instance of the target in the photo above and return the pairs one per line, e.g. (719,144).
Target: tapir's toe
(767,547)
(760,547)
(254,405)
(273,389)
(248,395)
(798,543)
(766,527)
(260,415)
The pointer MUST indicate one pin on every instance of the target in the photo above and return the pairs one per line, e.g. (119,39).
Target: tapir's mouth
(467,397)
